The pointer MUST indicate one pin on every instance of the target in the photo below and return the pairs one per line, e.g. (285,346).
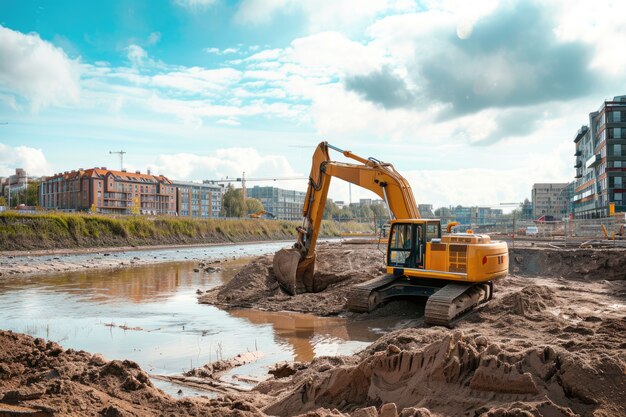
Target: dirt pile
(216,369)
(337,268)
(41,377)
(529,301)
(581,264)
(541,347)
(457,374)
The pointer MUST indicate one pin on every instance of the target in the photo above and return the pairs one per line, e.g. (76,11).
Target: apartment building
(202,200)
(480,216)
(284,204)
(14,183)
(550,201)
(601,162)
(108,191)
(426,211)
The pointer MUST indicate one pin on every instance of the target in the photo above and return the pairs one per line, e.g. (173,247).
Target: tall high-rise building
(601,162)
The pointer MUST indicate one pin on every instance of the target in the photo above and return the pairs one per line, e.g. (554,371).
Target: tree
(28,196)
(3,201)
(134,209)
(331,210)
(253,205)
(380,211)
(232,202)
(346,213)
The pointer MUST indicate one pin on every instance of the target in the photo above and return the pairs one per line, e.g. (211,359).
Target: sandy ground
(339,267)
(41,378)
(551,343)
(24,263)
(543,347)
(22,266)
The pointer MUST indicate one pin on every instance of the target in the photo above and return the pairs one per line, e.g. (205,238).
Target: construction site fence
(582,228)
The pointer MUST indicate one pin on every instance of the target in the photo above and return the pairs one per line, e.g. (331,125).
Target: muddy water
(149,314)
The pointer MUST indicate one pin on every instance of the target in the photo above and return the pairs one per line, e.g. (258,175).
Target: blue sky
(472,101)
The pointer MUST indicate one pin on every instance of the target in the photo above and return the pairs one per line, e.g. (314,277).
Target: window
(432,231)
(400,248)
(617,197)
(618,182)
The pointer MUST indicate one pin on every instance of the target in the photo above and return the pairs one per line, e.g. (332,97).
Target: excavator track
(453,300)
(362,298)
(444,303)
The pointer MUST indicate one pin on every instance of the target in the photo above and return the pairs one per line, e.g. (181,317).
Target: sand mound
(527,302)
(40,376)
(216,369)
(337,268)
(583,264)
(460,372)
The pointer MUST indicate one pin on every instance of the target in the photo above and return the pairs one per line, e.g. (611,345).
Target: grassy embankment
(71,230)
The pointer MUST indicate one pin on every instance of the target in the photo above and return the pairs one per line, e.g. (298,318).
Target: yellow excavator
(261,214)
(455,271)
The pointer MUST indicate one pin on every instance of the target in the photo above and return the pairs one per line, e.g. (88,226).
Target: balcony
(579,164)
(594,160)
(578,152)
(581,133)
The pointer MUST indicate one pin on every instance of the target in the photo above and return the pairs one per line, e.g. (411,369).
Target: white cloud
(136,55)
(267,54)
(231,121)
(195,4)
(218,51)
(228,162)
(600,24)
(154,38)
(319,14)
(259,11)
(199,80)
(36,70)
(31,159)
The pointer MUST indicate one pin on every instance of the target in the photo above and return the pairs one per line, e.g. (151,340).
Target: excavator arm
(294,268)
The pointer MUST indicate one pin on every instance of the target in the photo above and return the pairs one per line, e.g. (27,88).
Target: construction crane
(121,154)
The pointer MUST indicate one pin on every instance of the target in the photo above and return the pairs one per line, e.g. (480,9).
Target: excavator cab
(407,242)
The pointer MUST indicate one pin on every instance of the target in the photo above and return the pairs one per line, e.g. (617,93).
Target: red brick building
(108,191)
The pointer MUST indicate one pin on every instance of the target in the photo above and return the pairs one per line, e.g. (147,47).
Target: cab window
(400,244)
(433,231)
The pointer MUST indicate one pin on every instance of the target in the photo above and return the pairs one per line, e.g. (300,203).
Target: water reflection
(174,332)
(143,284)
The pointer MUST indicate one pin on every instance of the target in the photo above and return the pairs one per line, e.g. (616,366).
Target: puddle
(150,315)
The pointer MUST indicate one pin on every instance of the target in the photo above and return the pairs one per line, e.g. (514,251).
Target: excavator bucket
(293,275)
